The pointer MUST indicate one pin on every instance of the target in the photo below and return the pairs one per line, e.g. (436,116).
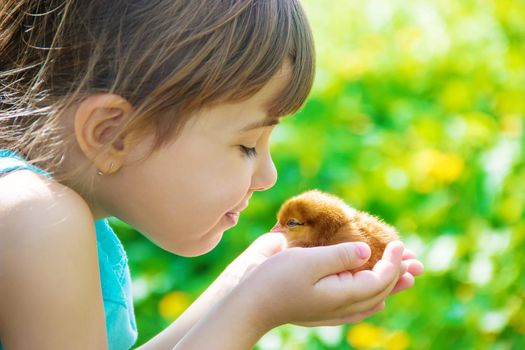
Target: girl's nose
(265,174)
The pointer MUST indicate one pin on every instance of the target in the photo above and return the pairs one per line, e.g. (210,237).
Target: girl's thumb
(342,257)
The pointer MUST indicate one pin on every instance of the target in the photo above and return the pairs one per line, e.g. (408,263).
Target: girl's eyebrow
(260,124)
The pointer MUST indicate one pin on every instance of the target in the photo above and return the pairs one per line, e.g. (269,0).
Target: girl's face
(185,196)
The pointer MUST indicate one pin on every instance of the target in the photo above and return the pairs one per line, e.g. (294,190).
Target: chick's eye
(293,222)
(249,151)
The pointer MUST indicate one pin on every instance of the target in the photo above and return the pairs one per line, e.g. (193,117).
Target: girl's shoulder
(48,261)
(39,210)
(29,200)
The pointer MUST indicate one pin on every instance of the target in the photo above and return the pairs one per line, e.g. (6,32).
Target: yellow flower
(443,167)
(365,336)
(173,304)
(397,340)
(447,167)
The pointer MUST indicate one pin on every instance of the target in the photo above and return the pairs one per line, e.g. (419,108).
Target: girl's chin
(202,246)
(202,243)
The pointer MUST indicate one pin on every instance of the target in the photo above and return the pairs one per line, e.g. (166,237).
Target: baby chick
(316,218)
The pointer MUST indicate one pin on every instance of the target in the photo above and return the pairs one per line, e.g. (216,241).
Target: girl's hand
(308,286)
(261,249)
(312,286)
(272,243)
(412,267)
(218,292)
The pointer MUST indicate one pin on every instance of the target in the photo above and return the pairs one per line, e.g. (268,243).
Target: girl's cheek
(232,189)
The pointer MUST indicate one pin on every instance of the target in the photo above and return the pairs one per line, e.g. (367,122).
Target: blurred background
(416,116)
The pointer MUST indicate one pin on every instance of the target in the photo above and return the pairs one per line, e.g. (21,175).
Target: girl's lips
(233,216)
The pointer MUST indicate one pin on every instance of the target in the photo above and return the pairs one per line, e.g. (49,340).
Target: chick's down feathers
(316,218)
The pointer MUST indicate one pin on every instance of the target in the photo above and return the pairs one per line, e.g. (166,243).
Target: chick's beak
(277,228)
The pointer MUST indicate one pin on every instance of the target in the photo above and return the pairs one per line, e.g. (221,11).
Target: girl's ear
(96,121)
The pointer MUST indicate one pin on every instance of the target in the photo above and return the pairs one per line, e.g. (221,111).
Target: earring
(99,172)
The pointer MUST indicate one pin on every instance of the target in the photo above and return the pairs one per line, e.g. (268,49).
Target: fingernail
(362,250)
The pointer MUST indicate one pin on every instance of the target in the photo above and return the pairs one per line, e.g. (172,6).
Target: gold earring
(99,172)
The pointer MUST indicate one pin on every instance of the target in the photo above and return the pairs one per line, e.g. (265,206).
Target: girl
(159,113)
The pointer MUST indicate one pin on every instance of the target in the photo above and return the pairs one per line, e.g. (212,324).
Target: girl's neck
(98,213)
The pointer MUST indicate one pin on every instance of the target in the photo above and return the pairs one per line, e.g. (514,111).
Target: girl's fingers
(362,315)
(414,267)
(394,252)
(268,244)
(347,288)
(357,317)
(260,250)
(404,268)
(366,284)
(389,267)
(332,259)
(408,254)
(405,281)
(362,306)
(353,318)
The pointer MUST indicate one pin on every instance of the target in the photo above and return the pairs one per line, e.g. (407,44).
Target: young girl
(158,113)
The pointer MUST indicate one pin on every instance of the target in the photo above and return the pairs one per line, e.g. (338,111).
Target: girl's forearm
(171,335)
(234,323)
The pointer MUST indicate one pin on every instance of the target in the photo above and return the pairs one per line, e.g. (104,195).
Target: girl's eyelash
(249,151)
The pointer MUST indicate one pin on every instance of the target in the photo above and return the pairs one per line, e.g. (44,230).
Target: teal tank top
(115,277)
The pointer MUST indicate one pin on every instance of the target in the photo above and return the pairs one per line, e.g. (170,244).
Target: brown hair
(161,55)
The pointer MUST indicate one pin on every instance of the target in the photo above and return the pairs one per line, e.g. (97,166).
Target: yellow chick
(316,218)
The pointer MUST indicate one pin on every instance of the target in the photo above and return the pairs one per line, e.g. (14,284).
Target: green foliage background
(416,116)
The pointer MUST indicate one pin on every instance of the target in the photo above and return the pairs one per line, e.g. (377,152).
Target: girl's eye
(249,151)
